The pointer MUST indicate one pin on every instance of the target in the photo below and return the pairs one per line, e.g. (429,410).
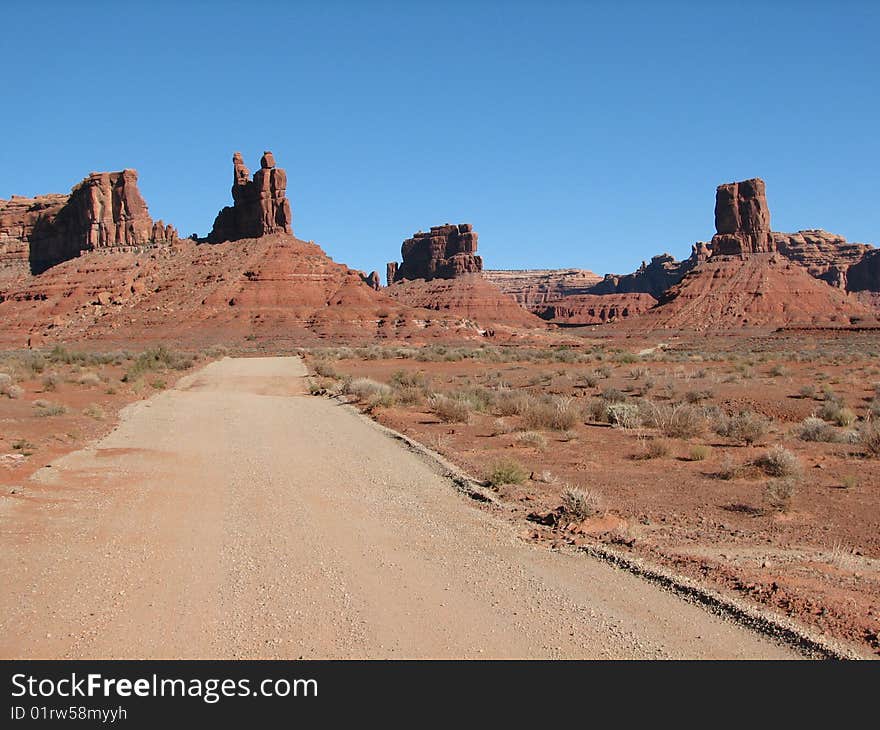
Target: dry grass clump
(325,370)
(557,414)
(449,409)
(506,471)
(50,381)
(869,438)
(89,379)
(745,427)
(700,452)
(157,359)
(365,388)
(613,395)
(817,430)
(656,448)
(779,493)
(623,415)
(512,402)
(698,396)
(681,421)
(779,462)
(835,412)
(728,469)
(95,411)
(532,439)
(9,388)
(44,408)
(580,503)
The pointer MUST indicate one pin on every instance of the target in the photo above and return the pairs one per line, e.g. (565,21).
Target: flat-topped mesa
(444,252)
(742,219)
(260,205)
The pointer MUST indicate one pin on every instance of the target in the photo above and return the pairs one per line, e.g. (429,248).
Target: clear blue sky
(569,133)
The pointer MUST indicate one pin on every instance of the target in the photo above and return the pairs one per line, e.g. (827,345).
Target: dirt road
(234,516)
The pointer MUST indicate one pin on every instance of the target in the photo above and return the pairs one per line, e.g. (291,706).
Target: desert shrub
(728,468)
(613,395)
(700,452)
(364,388)
(597,411)
(532,439)
(698,396)
(557,413)
(409,396)
(588,379)
(869,437)
(450,410)
(808,391)
(815,429)
(94,411)
(655,449)
(157,358)
(623,415)
(780,492)
(779,370)
(325,370)
(50,381)
(89,379)
(404,379)
(385,399)
(580,503)
(506,471)
(779,462)
(603,372)
(14,392)
(6,382)
(43,408)
(480,399)
(835,412)
(680,421)
(745,427)
(512,402)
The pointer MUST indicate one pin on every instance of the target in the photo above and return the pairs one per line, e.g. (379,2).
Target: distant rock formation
(826,256)
(655,277)
(581,309)
(372,280)
(260,205)
(534,288)
(444,252)
(105,210)
(742,219)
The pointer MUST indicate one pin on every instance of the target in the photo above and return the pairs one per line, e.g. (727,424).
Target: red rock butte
(259,205)
(444,252)
(105,210)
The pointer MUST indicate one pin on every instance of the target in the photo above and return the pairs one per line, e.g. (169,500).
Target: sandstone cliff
(105,210)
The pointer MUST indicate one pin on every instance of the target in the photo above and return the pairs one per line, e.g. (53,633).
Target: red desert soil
(697,503)
(232,516)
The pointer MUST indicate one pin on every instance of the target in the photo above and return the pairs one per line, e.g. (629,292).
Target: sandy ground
(234,517)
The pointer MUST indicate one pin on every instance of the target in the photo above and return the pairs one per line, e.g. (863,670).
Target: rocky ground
(749,463)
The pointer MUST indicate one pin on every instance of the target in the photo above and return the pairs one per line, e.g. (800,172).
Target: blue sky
(569,133)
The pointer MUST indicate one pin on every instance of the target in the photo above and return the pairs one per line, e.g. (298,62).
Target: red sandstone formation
(260,206)
(761,290)
(18,218)
(742,219)
(444,252)
(105,210)
(534,288)
(583,309)
(468,296)
(274,286)
(373,280)
(826,256)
